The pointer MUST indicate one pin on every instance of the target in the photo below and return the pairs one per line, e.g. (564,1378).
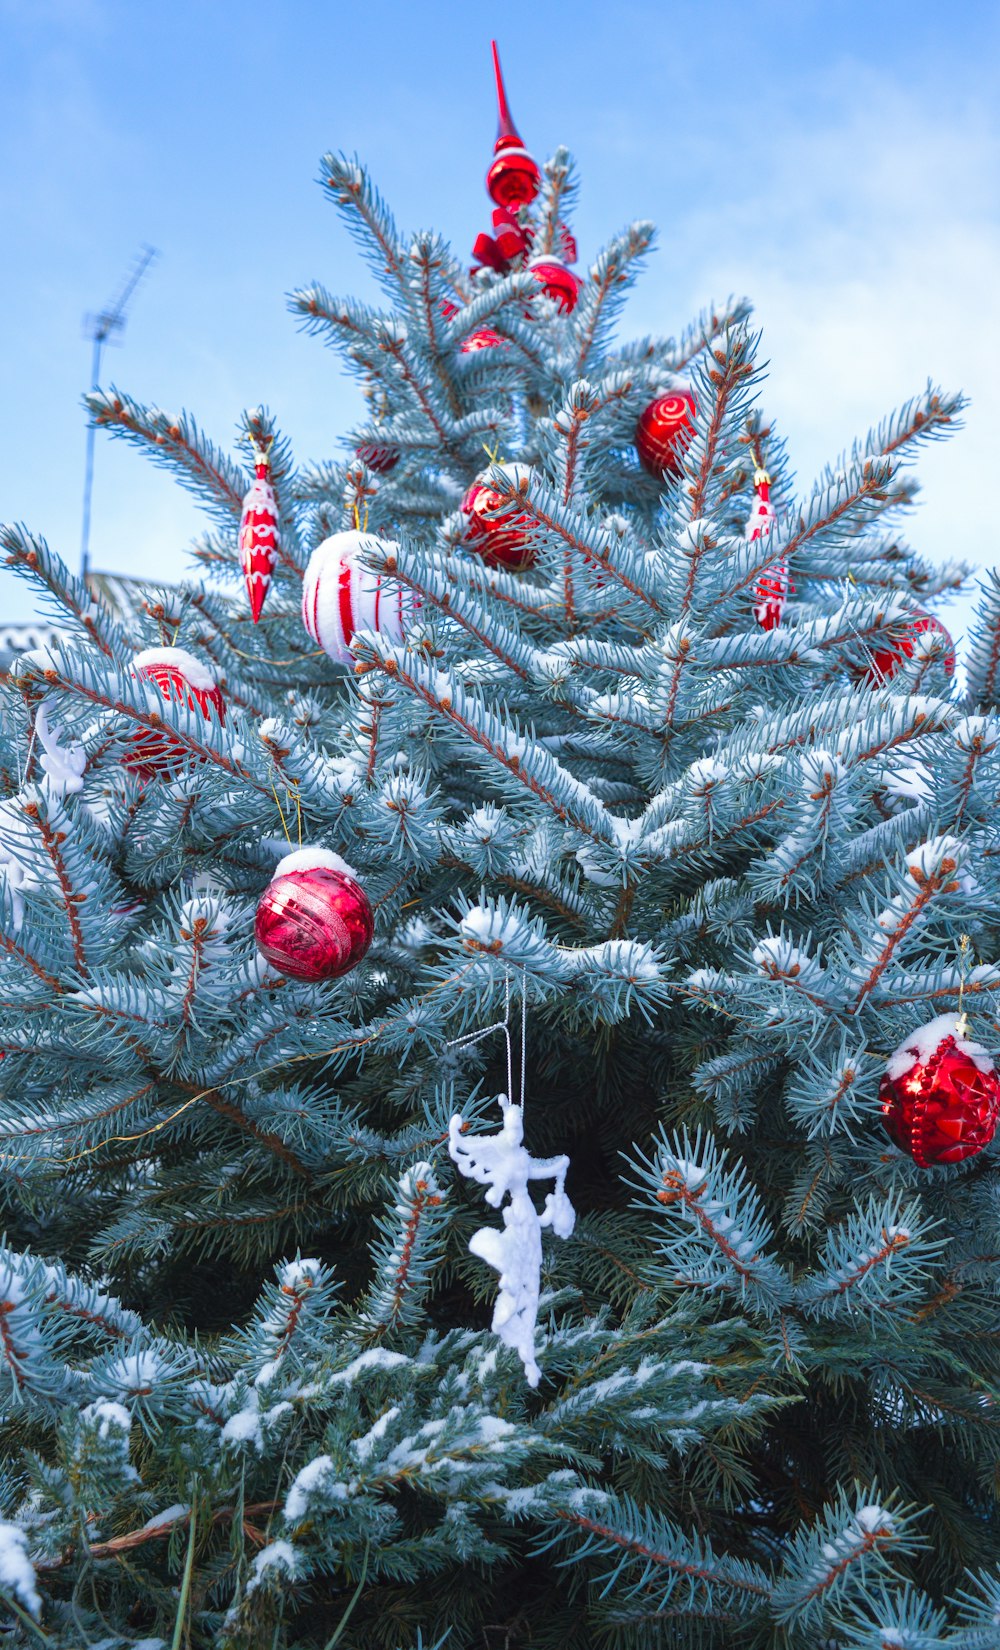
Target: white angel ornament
(503,1163)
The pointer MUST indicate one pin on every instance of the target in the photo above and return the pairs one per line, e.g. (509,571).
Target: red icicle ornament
(260,539)
(774,585)
(314,920)
(514,179)
(183,679)
(940,1095)
(885,661)
(661,431)
(496,529)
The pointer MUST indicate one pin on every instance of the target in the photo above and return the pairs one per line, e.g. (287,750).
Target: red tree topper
(514,179)
(260,539)
(314,920)
(940,1095)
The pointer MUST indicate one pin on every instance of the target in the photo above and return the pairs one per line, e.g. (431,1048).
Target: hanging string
(281,816)
(503,1025)
(962,1024)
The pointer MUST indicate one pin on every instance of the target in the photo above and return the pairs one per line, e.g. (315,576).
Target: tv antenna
(101,329)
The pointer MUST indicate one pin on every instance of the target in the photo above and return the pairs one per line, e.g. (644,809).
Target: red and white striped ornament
(340,596)
(260,539)
(181,679)
(774,585)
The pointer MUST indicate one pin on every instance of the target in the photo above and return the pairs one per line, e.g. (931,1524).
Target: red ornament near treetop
(496,529)
(183,680)
(940,1095)
(260,539)
(514,178)
(557,282)
(885,661)
(314,920)
(662,431)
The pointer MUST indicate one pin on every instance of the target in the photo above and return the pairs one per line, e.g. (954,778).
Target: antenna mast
(100,329)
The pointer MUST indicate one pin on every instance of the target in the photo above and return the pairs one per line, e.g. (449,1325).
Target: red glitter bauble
(661,432)
(379,459)
(482,338)
(314,921)
(502,538)
(558,282)
(887,660)
(940,1094)
(186,681)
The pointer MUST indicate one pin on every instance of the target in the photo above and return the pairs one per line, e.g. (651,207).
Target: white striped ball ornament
(340,596)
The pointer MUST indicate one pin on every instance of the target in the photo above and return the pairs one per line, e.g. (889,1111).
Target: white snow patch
(17,1573)
(312,859)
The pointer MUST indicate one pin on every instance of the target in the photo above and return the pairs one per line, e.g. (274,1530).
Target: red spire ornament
(314,920)
(940,1095)
(183,679)
(340,596)
(774,585)
(661,431)
(514,178)
(496,529)
(885,661)
(260,539)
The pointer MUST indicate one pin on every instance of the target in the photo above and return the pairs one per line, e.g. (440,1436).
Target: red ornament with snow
(378,458)
(314,920)
(184,680)
(514,179)
(662,431)
(774,585)
(885,661)
(482,338)
(340,596)
(557,282)
(940,1094)
(497,530)
(260,540)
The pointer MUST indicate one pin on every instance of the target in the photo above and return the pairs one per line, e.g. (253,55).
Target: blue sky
(836,161)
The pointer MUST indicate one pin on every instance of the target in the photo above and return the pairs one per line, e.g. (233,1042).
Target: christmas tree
(496,1094)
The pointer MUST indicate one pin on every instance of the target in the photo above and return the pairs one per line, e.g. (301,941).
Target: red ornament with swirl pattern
(940,1095)
(314,920)
(514,179)
(380,459)
(496,529)
(260,539)
(662,432)
(885,661)
(181,679)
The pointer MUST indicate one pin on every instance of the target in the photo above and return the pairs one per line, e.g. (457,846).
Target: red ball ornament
(314,921)
(183,679)
(260,539)
(379,459)
(940,1094)
(496,529)
(340,596)
(885,661)
(661,431)
(556,281)
(514,179)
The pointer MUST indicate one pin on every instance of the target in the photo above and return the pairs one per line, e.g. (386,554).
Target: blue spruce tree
(689,819)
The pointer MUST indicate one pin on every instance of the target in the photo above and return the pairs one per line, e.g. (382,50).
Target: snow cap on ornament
(940,1094)
(184,680)
(340,596)
(514,179)
(495,528)
(260,539)
(314,921)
